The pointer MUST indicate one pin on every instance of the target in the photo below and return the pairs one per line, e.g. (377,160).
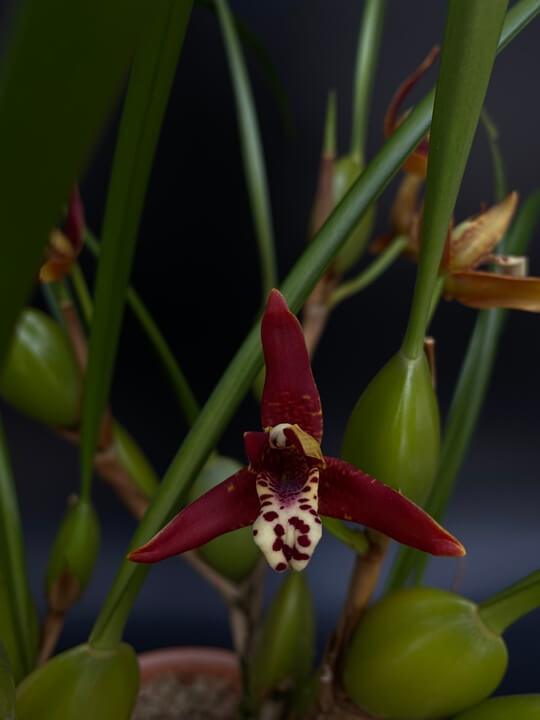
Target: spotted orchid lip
(289,481)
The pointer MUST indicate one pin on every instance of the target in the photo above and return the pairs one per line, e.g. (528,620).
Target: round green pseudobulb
(7,687)
(286,647)
(511,707)
(235,554)
(134,461)
(393,432)
(73,556)
(420,654)
(40,376)
(346,171)
(83,684)
(8,634)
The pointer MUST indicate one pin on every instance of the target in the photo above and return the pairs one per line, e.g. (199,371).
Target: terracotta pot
(188,662)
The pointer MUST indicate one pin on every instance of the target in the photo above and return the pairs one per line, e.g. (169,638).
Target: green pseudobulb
(510,707)
(346,171)
(234,555)
(420,654)
(82,683)
(41,377)
(393,432)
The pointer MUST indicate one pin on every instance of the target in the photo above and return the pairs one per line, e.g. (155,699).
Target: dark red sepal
(254,444)
(350,494)
(290,394)
(230,505)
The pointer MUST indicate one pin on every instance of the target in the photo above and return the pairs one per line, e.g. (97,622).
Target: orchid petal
(254,444)
(230,505)
(491,290)
(350,494)
(290,394)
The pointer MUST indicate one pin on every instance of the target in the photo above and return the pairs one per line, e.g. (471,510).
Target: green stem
(83,295)
(370,274)
(355,539)
(186,399)
(330,132)
(435,298)
(506,607)
(13,565)
(367,52)
(252,152)
(237,379)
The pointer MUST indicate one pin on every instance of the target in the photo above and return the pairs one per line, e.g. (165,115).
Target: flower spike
(288,480)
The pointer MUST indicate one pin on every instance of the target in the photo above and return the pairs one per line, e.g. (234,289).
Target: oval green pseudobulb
(393,432)
(422,653)
(81,684)
(286,647)
(511,707)
(346,171)
(132,459)
(41,377)
(7,687)
(73,556)
(8,633)
(235,554)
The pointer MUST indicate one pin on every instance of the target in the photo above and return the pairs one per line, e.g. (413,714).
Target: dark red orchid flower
(64,246)
(288,481)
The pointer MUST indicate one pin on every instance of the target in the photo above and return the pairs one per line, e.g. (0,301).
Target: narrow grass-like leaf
(469,395)
(252,152)
(62,74)
(149,86)
(186,399)
(470,42)
(367,53)
(237,379)
(12,560)
(500,186)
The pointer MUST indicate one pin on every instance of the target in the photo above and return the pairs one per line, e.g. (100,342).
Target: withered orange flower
(64,246)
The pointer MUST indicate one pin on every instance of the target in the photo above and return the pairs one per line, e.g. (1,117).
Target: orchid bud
(286,648)
(234,555)
(73,556)
(7,687)
(132,459)
(346,171)
(516,707)
(8,634)
(422,653)
(82,682)
(40,376)
(393,432)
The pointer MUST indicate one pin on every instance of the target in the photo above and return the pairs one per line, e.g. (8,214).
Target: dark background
(196,267)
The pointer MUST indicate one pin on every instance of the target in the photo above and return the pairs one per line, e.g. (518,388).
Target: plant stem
(237,379)
(186,399)
(506,607)
(369,40)
(83,295)
(370,274)
(252,152)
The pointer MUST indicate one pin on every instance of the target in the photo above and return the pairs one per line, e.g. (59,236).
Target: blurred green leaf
(7,687)
(500,186)
(61,76)
(149,86)
(472,31)
(247,362)
(252,151)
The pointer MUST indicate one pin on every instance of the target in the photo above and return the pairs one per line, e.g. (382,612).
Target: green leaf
(62,74)
(237,379)
(13,564)
(7,687)
(468,399)
(252,152)
(512,603)
(500,186)
(472,31)
(149,86)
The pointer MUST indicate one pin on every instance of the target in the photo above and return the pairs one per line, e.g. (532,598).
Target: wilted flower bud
(40,376)
(73,556)
(82,682)
(393,431)
(422,653)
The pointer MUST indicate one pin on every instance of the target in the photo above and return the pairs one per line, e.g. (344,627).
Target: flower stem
(369,41)
(370,274)
(83,295)
(506,607)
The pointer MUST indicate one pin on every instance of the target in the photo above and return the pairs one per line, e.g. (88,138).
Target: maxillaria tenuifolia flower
(288,481)
(64,246)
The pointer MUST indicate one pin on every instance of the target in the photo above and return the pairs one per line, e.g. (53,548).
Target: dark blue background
(196,267)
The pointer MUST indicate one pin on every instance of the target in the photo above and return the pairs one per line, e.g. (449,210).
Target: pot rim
(188,662)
